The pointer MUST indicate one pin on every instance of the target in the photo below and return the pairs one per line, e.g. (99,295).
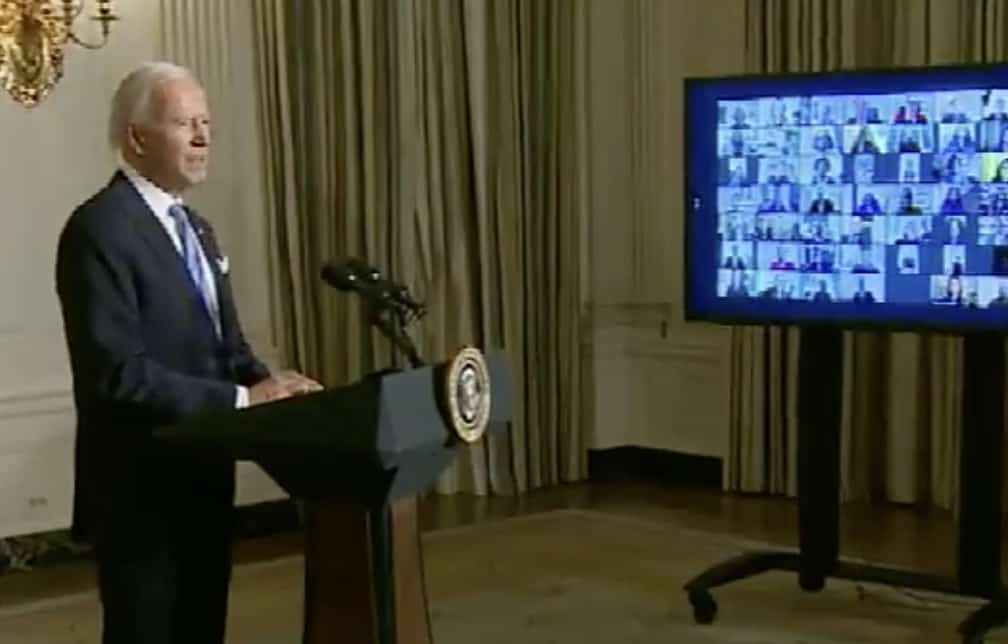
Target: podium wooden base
(364,581)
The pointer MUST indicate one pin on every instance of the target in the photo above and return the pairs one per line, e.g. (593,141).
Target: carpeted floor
(566,576)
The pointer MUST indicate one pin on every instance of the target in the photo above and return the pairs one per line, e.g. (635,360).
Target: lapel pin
(223,264)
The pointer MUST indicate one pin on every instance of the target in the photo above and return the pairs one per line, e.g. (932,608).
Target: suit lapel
(212,253)
(208,244)
(149,229)
(160,244)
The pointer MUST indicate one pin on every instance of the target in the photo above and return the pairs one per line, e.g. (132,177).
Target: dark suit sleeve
(248,369)
(111,366)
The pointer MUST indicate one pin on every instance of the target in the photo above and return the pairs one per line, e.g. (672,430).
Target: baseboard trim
(637,464)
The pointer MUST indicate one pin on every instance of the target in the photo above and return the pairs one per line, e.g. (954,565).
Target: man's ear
(135,140)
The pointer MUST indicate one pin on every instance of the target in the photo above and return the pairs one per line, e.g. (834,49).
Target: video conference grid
(860,198)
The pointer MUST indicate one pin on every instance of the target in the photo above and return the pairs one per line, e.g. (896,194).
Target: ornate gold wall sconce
(33,34)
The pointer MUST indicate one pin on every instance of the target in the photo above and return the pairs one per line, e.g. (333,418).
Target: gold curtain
(901,392)
(440,142)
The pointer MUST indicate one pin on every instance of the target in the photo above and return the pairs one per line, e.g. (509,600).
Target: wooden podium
(358,457)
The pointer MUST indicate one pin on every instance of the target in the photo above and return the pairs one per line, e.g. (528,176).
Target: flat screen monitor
(868,199)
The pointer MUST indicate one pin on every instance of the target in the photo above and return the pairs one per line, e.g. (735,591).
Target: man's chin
(195,178)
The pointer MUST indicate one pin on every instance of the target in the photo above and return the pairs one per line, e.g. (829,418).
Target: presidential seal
(467,385)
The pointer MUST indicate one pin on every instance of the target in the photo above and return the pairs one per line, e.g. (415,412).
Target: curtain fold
(438,142)
(902,392)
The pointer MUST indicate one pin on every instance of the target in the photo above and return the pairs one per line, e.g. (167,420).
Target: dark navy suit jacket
(144,352)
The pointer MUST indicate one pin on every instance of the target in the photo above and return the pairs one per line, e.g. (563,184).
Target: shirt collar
(156,198)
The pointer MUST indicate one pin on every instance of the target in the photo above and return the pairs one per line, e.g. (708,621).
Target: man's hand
(296,383)
(267,390)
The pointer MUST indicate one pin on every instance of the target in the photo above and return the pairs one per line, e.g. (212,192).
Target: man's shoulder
(102,212)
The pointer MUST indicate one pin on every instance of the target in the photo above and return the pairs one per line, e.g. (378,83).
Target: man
(154,338)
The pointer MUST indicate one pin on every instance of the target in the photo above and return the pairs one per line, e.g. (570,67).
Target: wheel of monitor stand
(811,581)
(704,606)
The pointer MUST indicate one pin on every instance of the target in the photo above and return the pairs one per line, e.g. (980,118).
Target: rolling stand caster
(704,606)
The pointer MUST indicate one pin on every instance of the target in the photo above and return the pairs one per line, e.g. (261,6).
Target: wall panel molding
(627,345)
(648,362)
(42,402)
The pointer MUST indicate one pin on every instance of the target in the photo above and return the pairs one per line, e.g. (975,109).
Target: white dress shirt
(158,202)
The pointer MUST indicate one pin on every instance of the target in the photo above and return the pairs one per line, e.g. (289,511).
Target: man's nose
(201,133)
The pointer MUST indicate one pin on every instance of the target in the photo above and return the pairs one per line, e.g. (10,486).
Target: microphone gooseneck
(390,306)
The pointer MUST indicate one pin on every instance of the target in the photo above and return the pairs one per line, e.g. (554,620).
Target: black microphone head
(340,276)
(362,270)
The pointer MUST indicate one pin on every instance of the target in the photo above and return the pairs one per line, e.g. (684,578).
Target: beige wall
(658,382)
(55,156)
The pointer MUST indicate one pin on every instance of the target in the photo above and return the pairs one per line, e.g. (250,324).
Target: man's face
(175,141)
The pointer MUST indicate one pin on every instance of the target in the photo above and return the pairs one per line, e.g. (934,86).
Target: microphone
(354,275)
(364,271)
(398,292)
(347,276)
(339,276)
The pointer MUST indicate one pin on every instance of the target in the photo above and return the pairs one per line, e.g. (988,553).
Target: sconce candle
(33,34)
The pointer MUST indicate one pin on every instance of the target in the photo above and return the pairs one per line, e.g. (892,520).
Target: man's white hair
(132,101)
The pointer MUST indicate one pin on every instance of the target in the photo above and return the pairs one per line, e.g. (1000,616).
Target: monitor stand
(981,477)
(979,525)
